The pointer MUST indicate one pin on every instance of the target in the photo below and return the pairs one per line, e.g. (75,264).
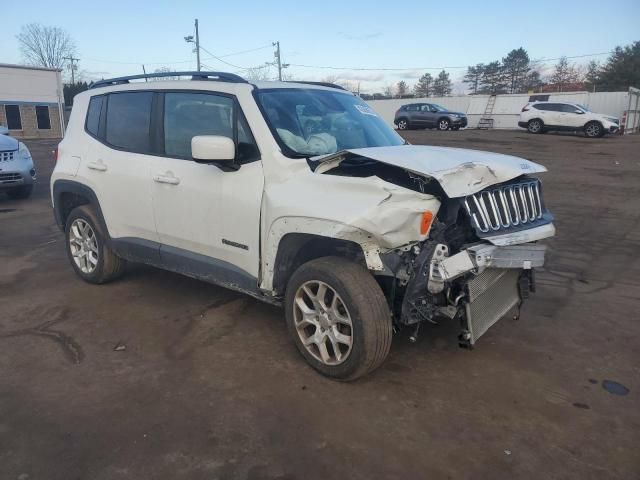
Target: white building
(31,101)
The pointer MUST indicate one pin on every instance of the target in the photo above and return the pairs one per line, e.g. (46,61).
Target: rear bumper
(522,124)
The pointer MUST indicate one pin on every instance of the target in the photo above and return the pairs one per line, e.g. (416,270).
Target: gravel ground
(161,376)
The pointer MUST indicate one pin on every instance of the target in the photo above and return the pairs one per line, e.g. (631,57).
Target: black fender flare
(69,186)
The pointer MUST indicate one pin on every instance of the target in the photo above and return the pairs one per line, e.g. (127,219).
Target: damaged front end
(474,267)
(477,263)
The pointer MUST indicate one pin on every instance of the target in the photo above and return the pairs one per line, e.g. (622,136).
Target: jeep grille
(507,207)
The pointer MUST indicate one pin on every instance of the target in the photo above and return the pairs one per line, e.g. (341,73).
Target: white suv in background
(541,117)
(300,195)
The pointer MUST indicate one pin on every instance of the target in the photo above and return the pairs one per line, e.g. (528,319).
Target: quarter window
(14,121)
(42,117)
(128,121)
(93,114)
(187,115)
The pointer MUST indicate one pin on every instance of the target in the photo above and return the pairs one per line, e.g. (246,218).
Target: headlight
(23,151)
(612,119)
(454,115)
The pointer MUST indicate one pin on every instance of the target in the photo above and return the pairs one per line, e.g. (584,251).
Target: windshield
(583,107)
(438,108)
(318,122)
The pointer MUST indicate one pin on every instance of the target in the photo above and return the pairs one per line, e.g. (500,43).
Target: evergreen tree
(424,86)
(622,69)
(473,77)
(442,85)
(401,89)
(516,67)
(493,79)
(592,76)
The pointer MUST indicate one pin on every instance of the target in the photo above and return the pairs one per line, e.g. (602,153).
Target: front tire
(88,252)
(338,318)
(535,126)
(443,124)
(20,193)
(593,130)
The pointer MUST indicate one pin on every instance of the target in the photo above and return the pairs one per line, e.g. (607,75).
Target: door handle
(99,166)
(170,179)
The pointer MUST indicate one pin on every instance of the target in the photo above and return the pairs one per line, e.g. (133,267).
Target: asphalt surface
(161,376)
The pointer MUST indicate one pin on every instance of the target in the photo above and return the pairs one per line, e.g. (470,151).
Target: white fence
(632,120)
(507,107)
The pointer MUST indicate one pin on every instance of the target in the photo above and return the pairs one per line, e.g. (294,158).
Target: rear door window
(129,120)
(93,114)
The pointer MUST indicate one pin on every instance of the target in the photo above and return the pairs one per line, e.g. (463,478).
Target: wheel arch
(294,241)
(67,195)
(296,249)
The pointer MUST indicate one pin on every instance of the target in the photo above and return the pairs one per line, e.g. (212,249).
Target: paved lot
(208,385)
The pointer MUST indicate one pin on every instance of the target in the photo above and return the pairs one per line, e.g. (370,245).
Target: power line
(223,61)
(394,69)
(178,61)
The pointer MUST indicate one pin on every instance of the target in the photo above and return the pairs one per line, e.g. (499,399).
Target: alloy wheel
(402,125)
(443,125)
(323,322)
(535,126)
(84,246)
(592,130)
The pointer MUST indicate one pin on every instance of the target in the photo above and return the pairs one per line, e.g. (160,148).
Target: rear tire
(444,124)
(403,124)
(338,318)
(535,126)
(20,193)
(593,130)
(87,249)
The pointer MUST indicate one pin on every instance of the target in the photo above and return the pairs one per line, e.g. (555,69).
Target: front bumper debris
(479,257)
(478,285)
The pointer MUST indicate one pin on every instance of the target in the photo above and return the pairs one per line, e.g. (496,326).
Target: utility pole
(72,67)
(279,60)
(189,39)
(197,44)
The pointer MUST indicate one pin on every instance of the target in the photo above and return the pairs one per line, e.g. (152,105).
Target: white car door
(553,114)
(572,116)
(114,163)
(202,212)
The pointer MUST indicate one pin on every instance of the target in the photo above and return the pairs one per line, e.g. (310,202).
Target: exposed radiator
(491,295)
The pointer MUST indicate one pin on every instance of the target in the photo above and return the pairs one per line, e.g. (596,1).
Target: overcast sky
(116,37)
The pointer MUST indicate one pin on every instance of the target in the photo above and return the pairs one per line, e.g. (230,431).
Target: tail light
(55,154)
(525,108)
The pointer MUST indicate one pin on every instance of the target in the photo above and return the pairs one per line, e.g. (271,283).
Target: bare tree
(165,70)
(258,73)
(564,74)
(388,91)
(45,46)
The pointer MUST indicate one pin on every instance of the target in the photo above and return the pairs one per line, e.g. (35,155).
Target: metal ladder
(486,122)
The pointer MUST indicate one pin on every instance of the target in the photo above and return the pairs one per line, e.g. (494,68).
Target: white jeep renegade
(300,195)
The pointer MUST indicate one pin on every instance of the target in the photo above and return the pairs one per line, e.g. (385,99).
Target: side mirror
(212,148)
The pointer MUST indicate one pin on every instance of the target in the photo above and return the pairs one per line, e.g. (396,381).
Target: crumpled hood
(8,143)
(459,171)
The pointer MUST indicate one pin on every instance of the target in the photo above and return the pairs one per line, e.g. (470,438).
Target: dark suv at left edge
(428,115)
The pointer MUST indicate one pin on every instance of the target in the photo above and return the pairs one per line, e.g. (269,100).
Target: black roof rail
(320,84)
(213,76)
